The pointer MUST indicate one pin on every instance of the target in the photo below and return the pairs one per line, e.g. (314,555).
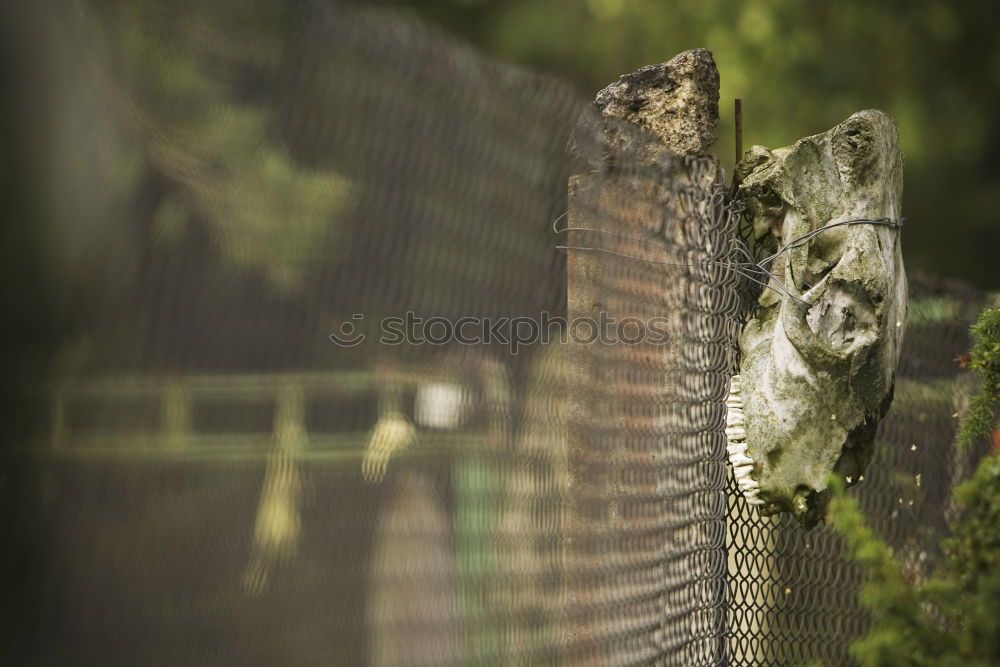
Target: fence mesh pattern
(645,559)
(793,598)
(241,461)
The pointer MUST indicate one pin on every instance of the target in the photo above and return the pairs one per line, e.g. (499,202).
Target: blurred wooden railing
(173,432)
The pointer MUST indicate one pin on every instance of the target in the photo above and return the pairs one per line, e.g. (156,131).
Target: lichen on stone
(670,107)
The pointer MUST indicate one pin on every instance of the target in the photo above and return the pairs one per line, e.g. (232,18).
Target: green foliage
(196,83)
(802,68)
(901,635)
(984,359)
(975,544)
(190,84)
(952,618)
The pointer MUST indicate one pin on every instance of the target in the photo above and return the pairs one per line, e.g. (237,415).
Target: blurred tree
(801,68)
(201,132)
(193,87)
(183,228)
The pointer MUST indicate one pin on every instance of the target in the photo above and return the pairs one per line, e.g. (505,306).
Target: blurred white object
(440,405)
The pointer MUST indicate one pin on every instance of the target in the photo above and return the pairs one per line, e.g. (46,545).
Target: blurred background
(801,68)
(196,194)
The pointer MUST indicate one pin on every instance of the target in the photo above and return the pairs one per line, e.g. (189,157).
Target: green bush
(952,618)
(984,360)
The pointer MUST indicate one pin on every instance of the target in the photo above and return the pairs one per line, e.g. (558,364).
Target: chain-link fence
(325,399)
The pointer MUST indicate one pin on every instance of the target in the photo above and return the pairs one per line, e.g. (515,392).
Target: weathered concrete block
(669,108)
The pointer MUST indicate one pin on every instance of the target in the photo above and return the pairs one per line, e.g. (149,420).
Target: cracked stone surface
(670,107)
